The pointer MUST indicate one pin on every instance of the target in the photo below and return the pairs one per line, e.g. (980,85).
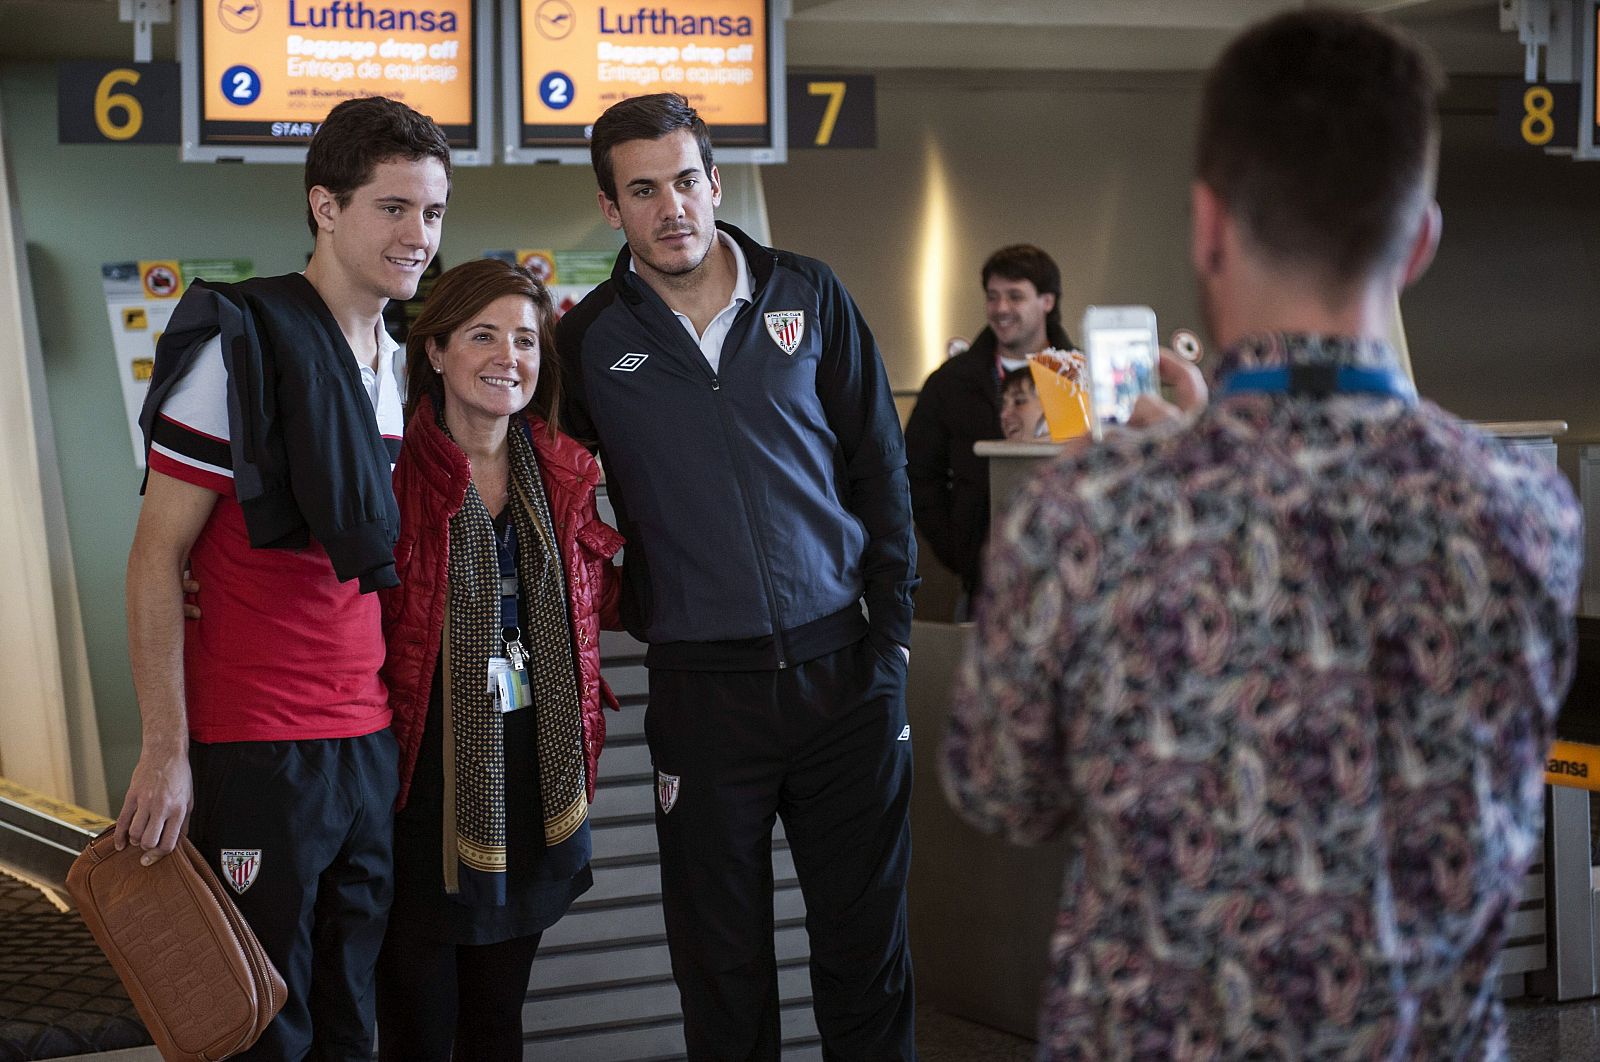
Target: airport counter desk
(1572,780)
(981,910)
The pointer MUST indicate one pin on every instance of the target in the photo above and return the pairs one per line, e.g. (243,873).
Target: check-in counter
(981,910)
(1563,962)
(1572,777)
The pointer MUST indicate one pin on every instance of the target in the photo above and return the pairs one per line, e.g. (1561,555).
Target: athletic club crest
(786,327)
(240,867)
(666,791)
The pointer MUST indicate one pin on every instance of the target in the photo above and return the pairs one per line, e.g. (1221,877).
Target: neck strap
(1321,381)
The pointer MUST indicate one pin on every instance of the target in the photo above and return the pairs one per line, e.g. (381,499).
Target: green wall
(1093,167)
(82,205)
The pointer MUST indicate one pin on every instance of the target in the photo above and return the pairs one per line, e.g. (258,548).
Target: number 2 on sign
(1538,121)
(106,101)
(834,90)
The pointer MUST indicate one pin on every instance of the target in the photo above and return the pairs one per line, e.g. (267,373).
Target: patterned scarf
(474,736)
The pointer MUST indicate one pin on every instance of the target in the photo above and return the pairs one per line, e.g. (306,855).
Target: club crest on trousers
(787,328)
(240,867)
(666,790)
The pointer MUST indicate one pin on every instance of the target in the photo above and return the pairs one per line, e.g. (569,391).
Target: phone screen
(1124,368)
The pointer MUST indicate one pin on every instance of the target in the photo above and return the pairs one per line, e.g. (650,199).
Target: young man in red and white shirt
(266,726)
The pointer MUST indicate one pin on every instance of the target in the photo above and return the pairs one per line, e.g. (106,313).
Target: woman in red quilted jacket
(493,667)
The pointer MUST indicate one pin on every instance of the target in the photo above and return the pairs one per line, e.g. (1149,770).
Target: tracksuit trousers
(825,747)
(302,834)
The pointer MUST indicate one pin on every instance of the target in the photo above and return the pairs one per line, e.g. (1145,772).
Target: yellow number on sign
(1538,125)
(834,90)
(106,101)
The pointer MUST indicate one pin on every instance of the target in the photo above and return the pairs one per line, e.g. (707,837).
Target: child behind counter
(1021,415)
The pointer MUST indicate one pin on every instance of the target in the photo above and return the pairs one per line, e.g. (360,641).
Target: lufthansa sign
(1573,765)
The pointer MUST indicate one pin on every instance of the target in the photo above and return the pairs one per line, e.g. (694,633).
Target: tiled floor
(1546,1032)
(1540,1032)
(944,1038)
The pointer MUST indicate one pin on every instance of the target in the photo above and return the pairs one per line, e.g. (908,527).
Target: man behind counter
(960,405)
(1285,670)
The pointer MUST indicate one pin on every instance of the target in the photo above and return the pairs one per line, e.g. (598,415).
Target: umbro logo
(629,362)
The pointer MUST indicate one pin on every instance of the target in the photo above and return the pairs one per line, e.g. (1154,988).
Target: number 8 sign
(241,85)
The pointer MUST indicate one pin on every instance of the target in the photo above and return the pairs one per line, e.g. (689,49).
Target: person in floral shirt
(1285,667)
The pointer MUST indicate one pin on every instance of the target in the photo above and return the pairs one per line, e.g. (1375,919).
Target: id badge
(508,685)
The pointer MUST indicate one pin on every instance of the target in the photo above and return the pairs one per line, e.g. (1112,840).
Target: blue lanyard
(1320,381)
(507,549)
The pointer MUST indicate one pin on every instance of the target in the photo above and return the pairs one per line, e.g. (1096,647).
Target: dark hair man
(1287,669)
(960,405)
(757,468)
(270,429)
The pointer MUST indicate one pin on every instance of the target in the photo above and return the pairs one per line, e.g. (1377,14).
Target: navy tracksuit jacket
(762,503)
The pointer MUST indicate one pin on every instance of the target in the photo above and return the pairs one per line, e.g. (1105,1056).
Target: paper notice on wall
(140,298)
(569,275)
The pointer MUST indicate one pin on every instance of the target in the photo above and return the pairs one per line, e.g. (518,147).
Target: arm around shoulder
(575,417)
(156,810)
(611,597)
(601,542)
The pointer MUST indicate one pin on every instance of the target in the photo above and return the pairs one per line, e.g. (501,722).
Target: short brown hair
(1018,379)
(456,298)
(1319,133)
(359,135)
(643,118)
(1024,261)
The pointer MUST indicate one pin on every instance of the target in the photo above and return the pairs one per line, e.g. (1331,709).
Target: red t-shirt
(283,650)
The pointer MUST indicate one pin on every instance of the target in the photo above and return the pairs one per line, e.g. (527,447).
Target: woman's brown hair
(456,298)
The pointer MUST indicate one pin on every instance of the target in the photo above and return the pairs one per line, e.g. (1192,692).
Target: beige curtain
(48,737)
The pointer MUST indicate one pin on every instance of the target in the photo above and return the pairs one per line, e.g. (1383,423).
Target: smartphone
(1120,347)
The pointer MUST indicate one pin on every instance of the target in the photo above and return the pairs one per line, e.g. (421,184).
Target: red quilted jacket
(430,484)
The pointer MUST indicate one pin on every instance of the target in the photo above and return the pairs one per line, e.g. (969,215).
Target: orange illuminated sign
(578,57)
(1573,764)
(270,70)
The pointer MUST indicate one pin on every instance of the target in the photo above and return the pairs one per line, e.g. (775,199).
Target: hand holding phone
(1120,346)
(1181,382)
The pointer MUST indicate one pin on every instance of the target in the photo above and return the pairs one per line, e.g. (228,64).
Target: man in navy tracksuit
(757,467)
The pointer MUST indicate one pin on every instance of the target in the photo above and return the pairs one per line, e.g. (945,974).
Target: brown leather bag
(194,970)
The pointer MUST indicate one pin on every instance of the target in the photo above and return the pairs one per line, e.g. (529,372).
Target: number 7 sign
(832,111)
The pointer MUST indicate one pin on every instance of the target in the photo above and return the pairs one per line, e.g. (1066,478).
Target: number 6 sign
(117,103)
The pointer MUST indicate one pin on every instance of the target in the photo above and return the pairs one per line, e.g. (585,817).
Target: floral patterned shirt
(1286,672)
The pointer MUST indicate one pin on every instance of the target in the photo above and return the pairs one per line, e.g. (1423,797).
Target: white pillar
(49,740)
